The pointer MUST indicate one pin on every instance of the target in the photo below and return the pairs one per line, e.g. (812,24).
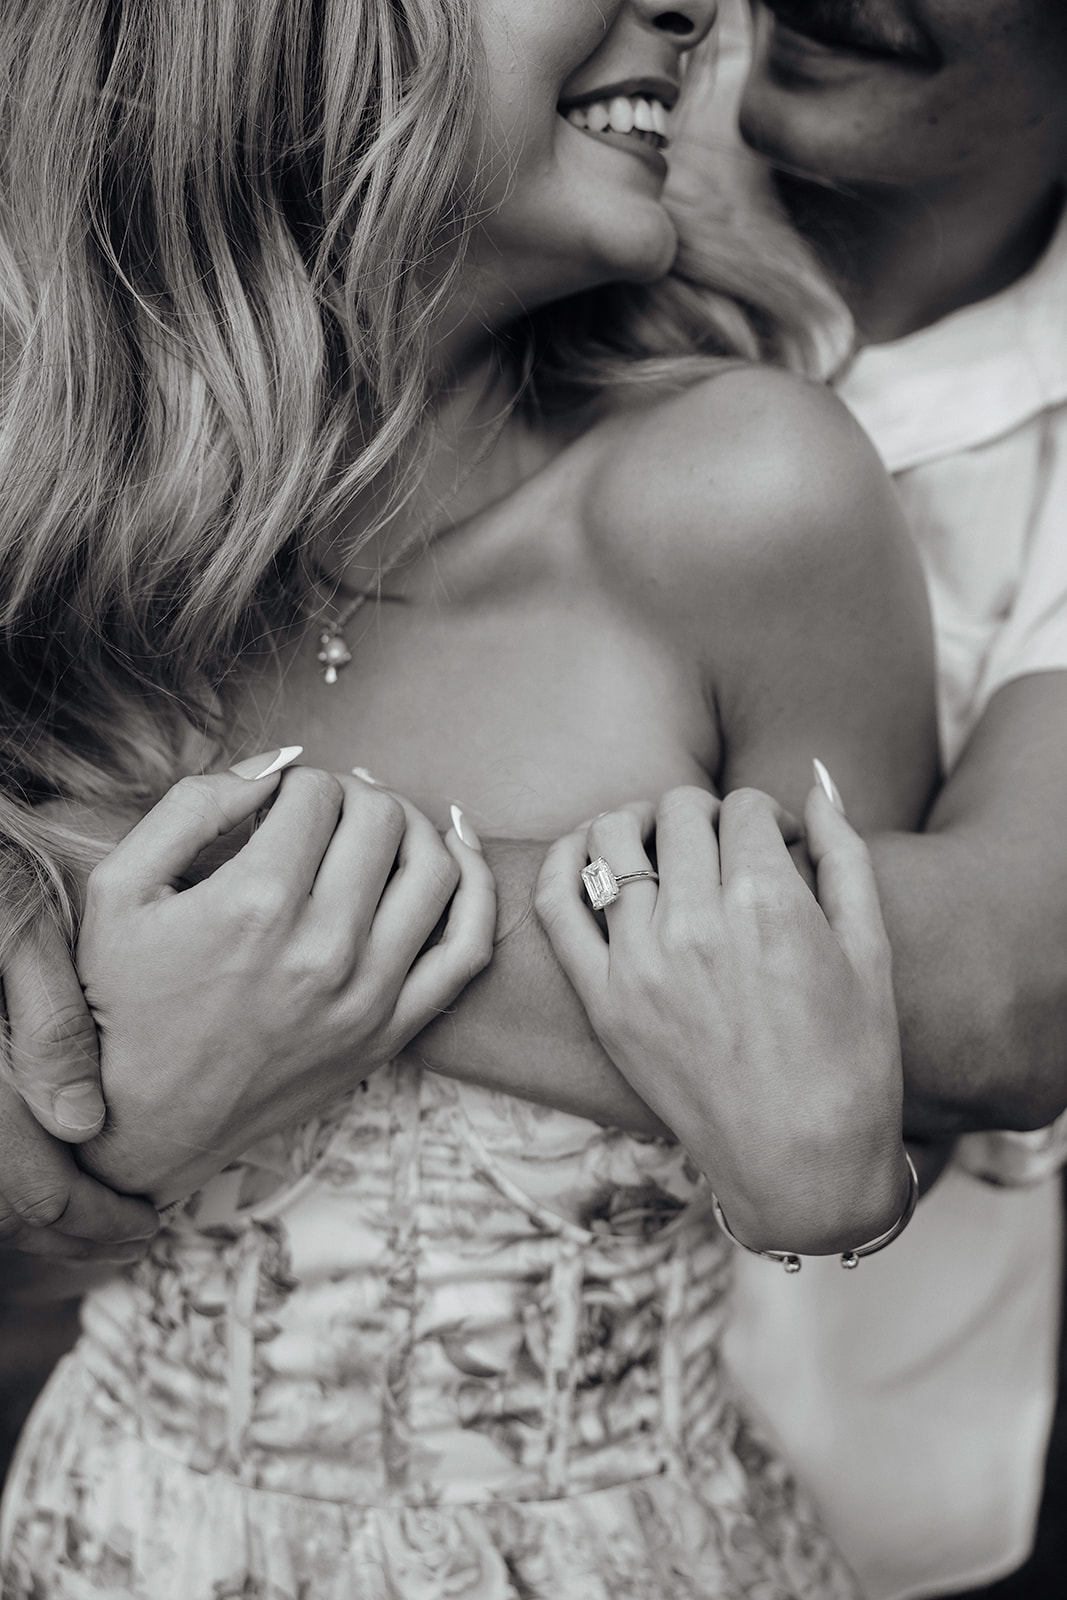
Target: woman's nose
(688,21)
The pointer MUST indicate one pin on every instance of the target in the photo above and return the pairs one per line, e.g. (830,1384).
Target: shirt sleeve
(1033,637)
(1014,1160)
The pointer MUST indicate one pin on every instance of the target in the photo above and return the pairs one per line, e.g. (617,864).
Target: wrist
(819,1204)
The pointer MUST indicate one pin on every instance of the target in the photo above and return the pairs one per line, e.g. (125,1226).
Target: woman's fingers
(754,835)
(687,850)
(465,948)
(370,841)
(562,906)
(848,892)
(161,848)
(286,850)
(414,901)
(52,1045)
(618,837)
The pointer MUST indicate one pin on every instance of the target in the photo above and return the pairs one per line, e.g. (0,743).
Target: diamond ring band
(602,885)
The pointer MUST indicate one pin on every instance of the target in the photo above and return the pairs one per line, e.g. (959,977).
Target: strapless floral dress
(440,1345)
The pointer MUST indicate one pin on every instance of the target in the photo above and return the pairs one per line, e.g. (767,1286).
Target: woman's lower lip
(628,145)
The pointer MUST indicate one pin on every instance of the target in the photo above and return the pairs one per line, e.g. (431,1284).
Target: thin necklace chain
(334,653)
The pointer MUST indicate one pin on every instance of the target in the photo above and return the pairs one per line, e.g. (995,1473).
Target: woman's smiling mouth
(637,113)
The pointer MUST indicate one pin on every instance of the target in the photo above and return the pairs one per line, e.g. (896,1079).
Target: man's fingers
(44,1191)
(847,890)
(21,1244)
(97,1213)
(161,848)
(52,1055)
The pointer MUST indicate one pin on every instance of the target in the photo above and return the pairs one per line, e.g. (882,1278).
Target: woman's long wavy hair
(216,220)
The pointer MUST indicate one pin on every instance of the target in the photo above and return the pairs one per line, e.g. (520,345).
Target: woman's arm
(251,1000)
(788,560)
(781,560)
(758,1023)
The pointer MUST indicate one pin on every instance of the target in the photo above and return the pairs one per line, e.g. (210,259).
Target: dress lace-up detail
(443,1345)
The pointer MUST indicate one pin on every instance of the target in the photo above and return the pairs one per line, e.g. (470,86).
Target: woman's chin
(631,254)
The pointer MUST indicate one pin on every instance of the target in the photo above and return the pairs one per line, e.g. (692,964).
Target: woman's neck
(476,449)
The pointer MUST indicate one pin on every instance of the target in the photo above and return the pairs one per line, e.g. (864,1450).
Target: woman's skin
(672,597)
(929,190)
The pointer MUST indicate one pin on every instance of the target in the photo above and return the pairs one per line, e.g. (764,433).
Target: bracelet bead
(791,1262)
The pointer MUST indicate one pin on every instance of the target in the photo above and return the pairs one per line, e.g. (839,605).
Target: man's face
(910,92)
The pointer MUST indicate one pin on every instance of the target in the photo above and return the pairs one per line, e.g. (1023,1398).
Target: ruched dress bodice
(441,1343)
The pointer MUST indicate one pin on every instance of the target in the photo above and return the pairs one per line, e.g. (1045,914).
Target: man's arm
(977,914)
(520,1025)
(976,909)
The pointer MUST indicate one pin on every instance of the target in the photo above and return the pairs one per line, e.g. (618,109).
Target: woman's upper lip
(651,88)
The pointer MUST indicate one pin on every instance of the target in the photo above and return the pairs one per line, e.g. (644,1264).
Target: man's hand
(52,1057)
(48,1206)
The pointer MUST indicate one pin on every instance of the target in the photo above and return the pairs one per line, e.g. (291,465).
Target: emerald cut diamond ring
(602,885)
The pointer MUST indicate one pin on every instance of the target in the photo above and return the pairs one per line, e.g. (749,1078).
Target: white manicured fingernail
(361,772)
(464,829)
(255,767)
(828,786)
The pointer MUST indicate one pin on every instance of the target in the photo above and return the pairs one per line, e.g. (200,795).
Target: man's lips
(861,27)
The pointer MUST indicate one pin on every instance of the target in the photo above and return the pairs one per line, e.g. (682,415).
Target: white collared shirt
(970,417)
(914,1400)
(914,1396)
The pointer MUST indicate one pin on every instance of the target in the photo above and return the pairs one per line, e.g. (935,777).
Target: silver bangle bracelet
(850,1258)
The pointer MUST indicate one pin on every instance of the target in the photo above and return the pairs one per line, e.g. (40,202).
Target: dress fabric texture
(439,1344)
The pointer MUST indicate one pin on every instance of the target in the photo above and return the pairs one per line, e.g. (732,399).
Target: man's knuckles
(40,1204)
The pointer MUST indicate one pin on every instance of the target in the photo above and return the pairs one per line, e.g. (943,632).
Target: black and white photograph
(533,799)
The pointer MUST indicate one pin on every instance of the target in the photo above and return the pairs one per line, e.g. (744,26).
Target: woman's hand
(755,1020)
(249,1001)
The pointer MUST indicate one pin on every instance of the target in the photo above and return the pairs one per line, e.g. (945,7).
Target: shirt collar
(972,377)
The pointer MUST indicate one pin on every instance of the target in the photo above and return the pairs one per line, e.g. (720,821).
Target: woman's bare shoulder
(750,473)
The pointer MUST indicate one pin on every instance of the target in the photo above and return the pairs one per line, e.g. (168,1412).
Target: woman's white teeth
(623,114)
